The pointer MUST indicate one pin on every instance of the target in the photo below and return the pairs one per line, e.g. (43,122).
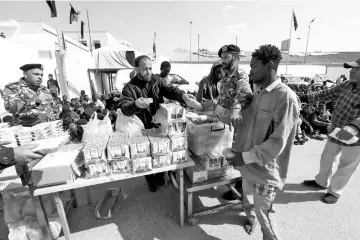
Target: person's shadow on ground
(296,192)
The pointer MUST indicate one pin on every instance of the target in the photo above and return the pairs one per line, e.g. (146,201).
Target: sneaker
(313,184)
(329,198)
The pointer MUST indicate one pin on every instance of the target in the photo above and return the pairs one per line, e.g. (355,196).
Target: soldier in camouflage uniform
(234,87)
(27,99)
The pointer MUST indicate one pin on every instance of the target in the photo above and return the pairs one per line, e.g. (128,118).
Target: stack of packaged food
(173,125)
(118,153)
(160,148)
(207,167)
(19,135)
(95,160)
(140,154)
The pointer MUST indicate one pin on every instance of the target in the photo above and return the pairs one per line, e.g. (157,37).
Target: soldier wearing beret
(26,99)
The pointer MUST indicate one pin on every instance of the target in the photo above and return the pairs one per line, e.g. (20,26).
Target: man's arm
(127,102)
(326,95)
(316,122)
(243,92)
(199,96)
(286,114)
(171,92)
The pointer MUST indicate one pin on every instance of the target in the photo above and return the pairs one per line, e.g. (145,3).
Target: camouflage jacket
(29,106)
(235,90)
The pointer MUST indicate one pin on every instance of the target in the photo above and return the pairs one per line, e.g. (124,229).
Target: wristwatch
(6,155)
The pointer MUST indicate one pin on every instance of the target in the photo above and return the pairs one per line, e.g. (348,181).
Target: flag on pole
(52,7)
(294,20)
(73,14)
(154,46)
(82,29)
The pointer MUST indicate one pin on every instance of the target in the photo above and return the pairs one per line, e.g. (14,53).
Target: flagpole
(78,33)
(287,59)
(87,13)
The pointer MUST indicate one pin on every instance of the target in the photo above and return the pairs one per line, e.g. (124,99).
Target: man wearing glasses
(346,116)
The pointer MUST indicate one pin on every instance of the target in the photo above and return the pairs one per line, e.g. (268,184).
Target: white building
(36,42)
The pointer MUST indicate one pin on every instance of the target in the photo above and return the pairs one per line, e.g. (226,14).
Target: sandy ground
(153,216)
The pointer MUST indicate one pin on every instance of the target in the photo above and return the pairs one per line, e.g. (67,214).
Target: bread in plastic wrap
(94,150)
(119,166)
(179,156)
(140,165)
(161,160)
(178,143)
(172,111)
(139,147)
(97,170)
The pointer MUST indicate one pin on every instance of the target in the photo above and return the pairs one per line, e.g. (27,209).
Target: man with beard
(27,99)
(263,146)
(135,96)
(234,95)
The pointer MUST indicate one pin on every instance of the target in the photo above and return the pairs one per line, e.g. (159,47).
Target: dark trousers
(155,179)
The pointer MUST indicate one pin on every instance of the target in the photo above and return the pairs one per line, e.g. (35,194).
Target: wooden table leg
(190,205)
(62,216)
(88,193)
(73,196)
(181,187)
(41,216)
(166,176)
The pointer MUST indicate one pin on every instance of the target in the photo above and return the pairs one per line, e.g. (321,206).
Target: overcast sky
(336,27)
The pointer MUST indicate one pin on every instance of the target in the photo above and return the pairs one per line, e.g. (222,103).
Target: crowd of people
(267,113)
(315,118)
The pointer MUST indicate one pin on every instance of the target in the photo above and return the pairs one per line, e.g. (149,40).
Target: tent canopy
(113,57)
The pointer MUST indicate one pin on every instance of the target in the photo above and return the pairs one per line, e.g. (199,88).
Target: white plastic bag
(96,126)
(130,126)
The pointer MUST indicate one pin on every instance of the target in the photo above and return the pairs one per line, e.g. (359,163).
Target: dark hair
(267,53)
(50,75)
(165,64)
(139,58)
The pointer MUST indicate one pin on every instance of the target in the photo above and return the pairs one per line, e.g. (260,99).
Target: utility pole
(190,40)
(307,42)
(198,47)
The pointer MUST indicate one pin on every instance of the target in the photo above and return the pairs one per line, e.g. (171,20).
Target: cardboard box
(211,161)
(59,167)
(196,173)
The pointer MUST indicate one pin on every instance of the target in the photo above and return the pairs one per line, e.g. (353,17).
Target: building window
(97,44)
(83,42)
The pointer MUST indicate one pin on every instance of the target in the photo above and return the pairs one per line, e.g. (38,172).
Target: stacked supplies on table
(207,167)
(19,135)
(160,148)
(174,126)
(140,154)
(95,159)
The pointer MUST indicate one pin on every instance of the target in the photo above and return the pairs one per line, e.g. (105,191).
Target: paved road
(300,214)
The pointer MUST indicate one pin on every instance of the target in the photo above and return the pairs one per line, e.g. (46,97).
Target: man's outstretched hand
(190,102)
(208,105)
(235,158)
(23,154)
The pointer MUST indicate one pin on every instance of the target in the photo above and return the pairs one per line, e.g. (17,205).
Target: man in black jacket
(146,85)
